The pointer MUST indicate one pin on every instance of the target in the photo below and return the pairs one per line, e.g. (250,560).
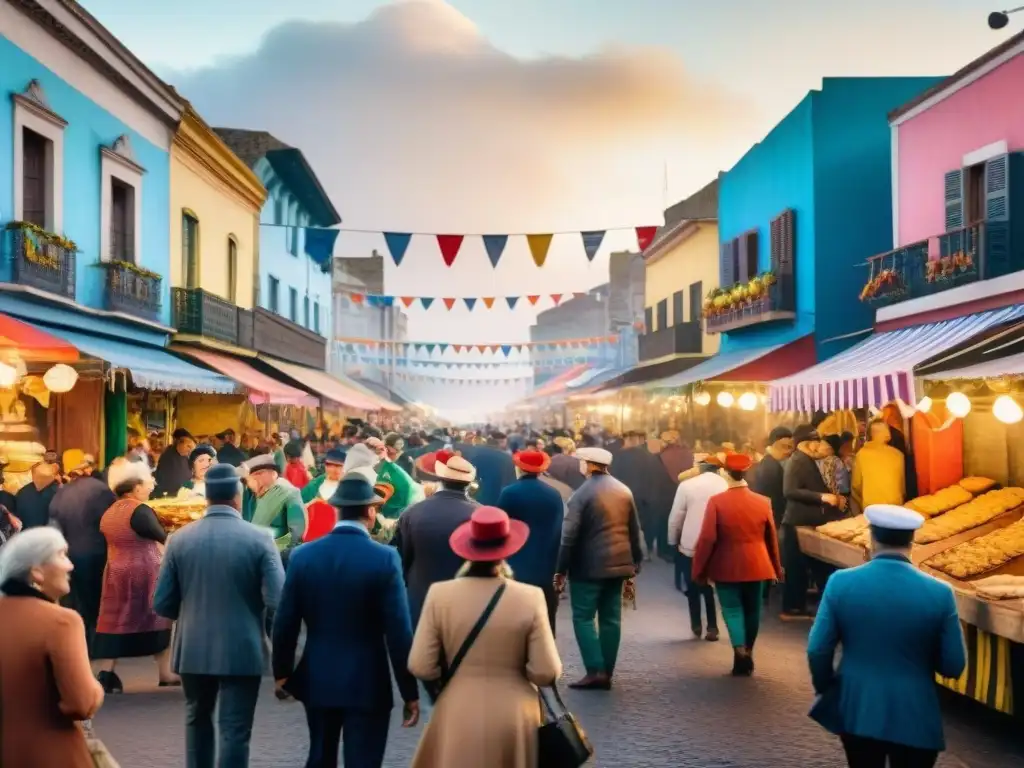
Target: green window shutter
(954,196)
(996,241)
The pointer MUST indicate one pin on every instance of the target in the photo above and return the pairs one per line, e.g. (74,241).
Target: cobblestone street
(673,705)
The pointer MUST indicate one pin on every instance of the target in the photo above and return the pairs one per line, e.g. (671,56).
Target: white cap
(893,517)
(457,469)
(594,456)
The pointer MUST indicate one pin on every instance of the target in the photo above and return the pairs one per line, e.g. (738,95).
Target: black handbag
(436,687)
(561,740)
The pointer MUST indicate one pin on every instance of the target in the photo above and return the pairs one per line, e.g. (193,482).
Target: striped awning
(1011,365)
(880,368)
(714,367)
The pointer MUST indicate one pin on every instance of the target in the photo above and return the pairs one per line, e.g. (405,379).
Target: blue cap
(335,456)
(222,483)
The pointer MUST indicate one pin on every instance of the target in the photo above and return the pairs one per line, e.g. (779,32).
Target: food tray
(829,550)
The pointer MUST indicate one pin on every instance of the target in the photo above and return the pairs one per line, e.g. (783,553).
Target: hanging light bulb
(748,401)
(958,404)
(725,399)
(925,405)
(1005,409)
(702,398)
(60,378)
(8,376)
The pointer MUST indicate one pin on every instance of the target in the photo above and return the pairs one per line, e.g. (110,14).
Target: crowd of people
(415,555)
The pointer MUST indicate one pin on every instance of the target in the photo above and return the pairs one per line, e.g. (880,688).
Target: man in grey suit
(221,582)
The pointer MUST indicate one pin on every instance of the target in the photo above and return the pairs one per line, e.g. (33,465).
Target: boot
(597,681)
(111,682)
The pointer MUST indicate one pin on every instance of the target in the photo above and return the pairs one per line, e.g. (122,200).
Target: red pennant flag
(488,301)
(408,300)
(457,347)
(533,299)
(450,245)
(449,302)
(495,347)
(556,297)
(358,298)
(645,236)
(480,347)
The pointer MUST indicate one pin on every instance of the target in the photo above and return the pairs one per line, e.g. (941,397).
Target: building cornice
(674,238)
(196,139)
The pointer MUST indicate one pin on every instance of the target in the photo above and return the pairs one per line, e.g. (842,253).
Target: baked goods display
(977,512)
(982,554)
(845,530)
(977,485)
(174,513)
(940,501)
(1000,587)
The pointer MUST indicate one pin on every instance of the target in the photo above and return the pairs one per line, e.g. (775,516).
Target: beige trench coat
(489,713)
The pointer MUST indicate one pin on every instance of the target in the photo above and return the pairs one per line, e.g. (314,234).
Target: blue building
(808,204)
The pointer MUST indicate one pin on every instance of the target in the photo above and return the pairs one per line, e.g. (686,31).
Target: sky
(488,116)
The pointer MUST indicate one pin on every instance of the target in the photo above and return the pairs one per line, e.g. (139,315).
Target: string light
(725,399)
(1006,410)
(958,404)
(748,401)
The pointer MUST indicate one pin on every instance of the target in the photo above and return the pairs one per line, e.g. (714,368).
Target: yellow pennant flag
(539,245)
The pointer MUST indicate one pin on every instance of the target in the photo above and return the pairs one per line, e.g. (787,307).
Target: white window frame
(118,162)
(32,111)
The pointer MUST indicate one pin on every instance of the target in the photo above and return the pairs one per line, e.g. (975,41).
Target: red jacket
(296,474)
(738,541)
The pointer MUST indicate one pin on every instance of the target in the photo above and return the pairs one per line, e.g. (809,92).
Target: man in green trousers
(601,548)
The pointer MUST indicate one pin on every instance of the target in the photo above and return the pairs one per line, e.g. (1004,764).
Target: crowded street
(674,706)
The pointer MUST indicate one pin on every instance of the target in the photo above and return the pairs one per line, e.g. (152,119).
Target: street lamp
(999,19)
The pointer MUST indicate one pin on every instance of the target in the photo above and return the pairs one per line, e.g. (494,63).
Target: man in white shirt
(684,524)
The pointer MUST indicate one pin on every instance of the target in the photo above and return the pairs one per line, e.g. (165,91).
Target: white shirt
(327,489)
(688,508)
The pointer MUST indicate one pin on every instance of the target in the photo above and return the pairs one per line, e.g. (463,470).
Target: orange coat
(738,541)
(46,685)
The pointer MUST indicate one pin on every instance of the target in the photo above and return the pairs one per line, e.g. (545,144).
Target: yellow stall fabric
(988,677)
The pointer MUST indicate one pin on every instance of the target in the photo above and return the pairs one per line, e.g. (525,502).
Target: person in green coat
(407,491)
(279,506)
(323,486)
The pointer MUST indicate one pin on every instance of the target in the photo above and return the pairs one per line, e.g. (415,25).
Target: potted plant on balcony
(132,288)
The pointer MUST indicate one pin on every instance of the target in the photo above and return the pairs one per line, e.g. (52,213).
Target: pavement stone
(673,704)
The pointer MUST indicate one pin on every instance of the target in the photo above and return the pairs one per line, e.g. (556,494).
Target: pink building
(958,194)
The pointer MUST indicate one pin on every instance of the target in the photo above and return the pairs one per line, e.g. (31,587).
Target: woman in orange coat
(738,550)
(46,685)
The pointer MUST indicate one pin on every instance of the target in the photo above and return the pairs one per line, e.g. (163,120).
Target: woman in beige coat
(489,712)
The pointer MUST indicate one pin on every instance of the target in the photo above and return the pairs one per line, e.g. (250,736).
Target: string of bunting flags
(403,362)
(468,382)
(505,349)
(449,303)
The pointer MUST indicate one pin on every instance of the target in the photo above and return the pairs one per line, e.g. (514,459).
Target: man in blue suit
(494,467)
(541,507)
(348,589)
(898,628)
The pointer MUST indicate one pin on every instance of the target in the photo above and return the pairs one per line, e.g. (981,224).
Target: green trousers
(742,602)
(598,641)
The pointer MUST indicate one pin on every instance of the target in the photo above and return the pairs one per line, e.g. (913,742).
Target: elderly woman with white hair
(46,684)
(128,627)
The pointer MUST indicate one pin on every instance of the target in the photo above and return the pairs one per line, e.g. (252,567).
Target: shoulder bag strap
(452,668)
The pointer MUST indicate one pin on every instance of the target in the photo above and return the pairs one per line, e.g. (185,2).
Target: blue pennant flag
(591,242)
(443,348)
(512,301)
(415,347)
(505,349)
(470,303)
(320,245)
(398,243)
(495,246)
(429,348)
(426,301)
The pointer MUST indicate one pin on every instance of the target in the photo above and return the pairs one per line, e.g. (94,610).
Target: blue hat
(893,517)
(355,491)
(335,456)
(222,483)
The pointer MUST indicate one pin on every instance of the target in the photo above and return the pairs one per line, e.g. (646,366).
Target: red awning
(784,361)
(262,388)
(326,385)
(33,344)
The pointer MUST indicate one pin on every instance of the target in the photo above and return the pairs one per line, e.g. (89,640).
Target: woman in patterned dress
(127,625)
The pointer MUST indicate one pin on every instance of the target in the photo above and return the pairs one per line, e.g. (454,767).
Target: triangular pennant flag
(470,303)
(645,236)
(539,245)
(397,242)
(495,246)
(449,303)
(556,297)
(591,242)
(429,348)
(506,348)
(511,301)
(426,301)
(443,348)
(457,347)
(488,301)
(408,300)
(449,245)
(416,347)
(357,298)
(495,347)
(533,299)
(480,347)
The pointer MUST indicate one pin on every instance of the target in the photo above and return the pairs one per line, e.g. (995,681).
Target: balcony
(40,259)
(679,339)
(775,301)
(202,313)
(131,289)
(279,337)
(931,266)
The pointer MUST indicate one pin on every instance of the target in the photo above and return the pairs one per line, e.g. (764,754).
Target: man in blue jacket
(898,628)
(541,507)
(348,590)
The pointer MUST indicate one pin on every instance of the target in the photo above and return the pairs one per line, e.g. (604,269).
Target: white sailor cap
(594,456)
(893,517)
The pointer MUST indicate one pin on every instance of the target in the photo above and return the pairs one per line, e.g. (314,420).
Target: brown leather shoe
(596,682)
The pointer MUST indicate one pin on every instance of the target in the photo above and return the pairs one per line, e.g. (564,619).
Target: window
(648,319)
(677,307)
(190,249)
(232,270)
(696,300)
(293,240)
(122,221)
(663,314)
(273,294)
(974,203)
(34,177)
(305,312)
(293,305)
(316,316)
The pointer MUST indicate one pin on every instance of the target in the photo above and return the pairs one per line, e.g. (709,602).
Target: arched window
(189,248)
(232,269)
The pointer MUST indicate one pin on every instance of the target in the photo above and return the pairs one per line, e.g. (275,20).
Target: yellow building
(681,267)
(215,212)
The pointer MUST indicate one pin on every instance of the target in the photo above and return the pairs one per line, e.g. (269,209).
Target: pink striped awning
(880,368)
(261,388)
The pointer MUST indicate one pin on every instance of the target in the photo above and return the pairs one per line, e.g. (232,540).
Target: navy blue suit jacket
(494,471)
(348,589)
(541,507)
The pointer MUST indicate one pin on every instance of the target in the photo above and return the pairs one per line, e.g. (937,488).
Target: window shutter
(741,259)
(996,241)
(129,225)
(752,254)
(724,264)
(783,257)
(677,308)
(662,314)
(954,196)
(696,300)
(648,319)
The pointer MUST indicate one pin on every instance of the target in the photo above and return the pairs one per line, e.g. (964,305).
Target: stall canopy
(880,368)
(557,384)
(1012,365)
(754,364)
(382,391)
(325,385)
(262,388)
(34,344)
(385,401)
(150,367)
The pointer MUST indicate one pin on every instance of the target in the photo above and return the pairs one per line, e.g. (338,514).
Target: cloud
(413,120)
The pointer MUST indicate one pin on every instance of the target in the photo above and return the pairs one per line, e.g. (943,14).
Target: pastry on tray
(177,512)
(940,501)
(974,513)
(1000,587)
(846,529)
(983,554)
(977,485)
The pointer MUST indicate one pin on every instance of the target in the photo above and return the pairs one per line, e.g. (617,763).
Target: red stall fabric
(938,452)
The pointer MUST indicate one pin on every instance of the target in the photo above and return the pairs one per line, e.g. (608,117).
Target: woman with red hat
(738,551)
(480,626)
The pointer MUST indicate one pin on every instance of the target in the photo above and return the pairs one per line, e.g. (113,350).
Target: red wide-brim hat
(534,462)
(488,536)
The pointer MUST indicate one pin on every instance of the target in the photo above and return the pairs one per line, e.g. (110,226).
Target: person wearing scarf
(203,457)
(278,506)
